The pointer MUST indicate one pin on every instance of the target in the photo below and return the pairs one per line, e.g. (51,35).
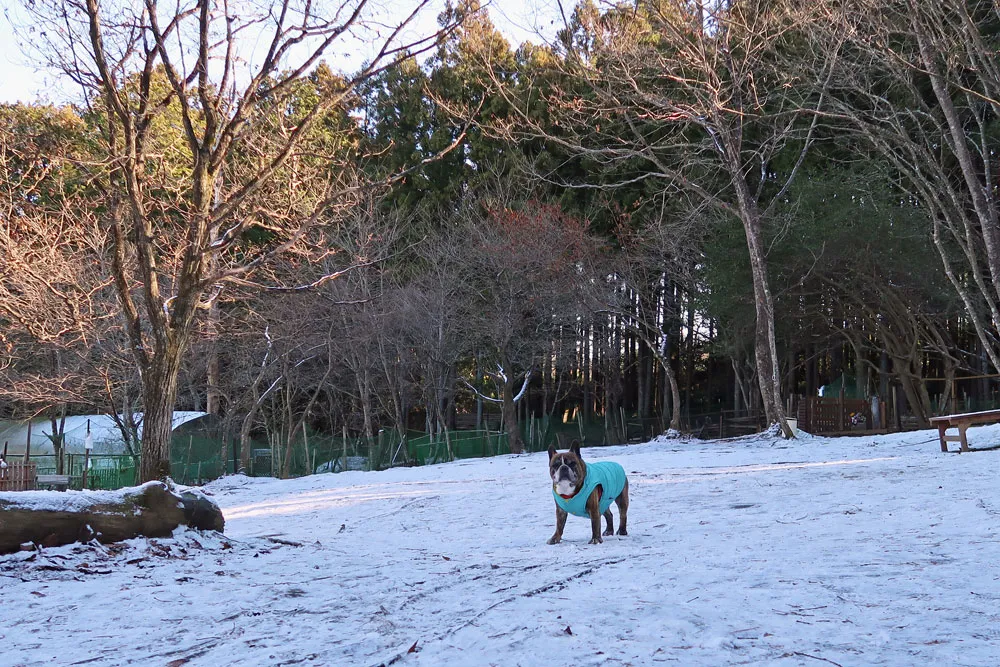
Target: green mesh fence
(197,459)
(319,454)
(105,471)
(442,447)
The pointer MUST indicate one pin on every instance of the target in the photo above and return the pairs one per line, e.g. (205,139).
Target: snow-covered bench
(57,482)
(962,422)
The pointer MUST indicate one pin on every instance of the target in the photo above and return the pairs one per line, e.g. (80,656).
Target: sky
(20,80)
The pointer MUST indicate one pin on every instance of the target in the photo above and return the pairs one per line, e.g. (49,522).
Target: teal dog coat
(609,475)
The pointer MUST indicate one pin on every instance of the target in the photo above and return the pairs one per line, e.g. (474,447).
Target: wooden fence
(18,476)
(726,424)
(840,415)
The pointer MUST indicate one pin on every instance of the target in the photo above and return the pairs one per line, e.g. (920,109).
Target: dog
(587,491)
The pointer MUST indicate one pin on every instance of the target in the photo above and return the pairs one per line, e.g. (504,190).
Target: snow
(72,501)
(852,551)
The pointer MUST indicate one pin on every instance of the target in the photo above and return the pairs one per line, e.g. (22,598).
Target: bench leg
(942,430)
(961,433)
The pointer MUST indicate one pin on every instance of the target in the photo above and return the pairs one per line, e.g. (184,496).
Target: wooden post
(305,446)
(897,418)
(343,461)
(187,465)
(27,445)
(88,444)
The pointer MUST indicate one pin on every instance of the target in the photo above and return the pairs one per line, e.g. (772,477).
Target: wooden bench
(57,482)
(962,422)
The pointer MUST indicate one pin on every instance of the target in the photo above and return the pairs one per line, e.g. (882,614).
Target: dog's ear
(552,452)
(575,448)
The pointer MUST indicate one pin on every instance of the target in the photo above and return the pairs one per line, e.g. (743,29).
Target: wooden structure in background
(840,416)
(18,476)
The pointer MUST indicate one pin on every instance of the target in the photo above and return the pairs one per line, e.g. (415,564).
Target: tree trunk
(675,393)
(247,424)
(688,347)
(585,367)
(479,399)
(151,510)
(765,347)
(916,392)
(159,391)
(510,418)
(213,396)
(58,422)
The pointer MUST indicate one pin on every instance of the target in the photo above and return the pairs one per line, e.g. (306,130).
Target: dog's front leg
(560,524)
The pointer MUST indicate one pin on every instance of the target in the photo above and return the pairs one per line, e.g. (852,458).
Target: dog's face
(567,469)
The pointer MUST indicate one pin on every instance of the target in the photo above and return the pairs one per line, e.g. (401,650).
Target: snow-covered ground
(848,551)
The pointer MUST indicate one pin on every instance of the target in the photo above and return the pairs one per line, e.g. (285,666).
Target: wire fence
(197,460)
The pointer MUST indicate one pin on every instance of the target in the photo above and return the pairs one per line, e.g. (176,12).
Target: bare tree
(59,333)
(263,158)
(921,84)
(525,266)
(691,100)
(434,313)
(635,292)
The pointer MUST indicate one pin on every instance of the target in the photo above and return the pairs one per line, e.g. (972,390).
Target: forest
(674,213)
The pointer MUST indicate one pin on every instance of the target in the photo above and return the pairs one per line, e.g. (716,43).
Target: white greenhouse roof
(107,437)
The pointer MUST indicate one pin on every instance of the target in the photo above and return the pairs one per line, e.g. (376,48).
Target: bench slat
(967,416)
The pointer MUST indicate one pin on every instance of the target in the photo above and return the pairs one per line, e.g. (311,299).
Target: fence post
(88,444)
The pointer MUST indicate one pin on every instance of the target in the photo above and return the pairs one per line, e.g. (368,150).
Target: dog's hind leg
(610,530)
(622,502)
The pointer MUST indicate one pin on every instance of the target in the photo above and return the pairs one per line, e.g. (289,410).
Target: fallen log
(51,518)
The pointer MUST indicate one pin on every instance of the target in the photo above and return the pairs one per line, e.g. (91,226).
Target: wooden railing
(839,415)
(18,476)
(726,424)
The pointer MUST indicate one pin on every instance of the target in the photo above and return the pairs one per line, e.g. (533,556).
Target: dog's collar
(571,497)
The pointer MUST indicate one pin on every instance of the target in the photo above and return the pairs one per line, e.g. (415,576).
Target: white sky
(20,80)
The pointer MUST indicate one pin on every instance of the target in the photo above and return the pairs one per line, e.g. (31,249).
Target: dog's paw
(554,540)
(608,532)
(596,540)
(622,531)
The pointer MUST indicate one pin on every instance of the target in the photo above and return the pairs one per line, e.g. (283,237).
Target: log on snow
(54,518)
